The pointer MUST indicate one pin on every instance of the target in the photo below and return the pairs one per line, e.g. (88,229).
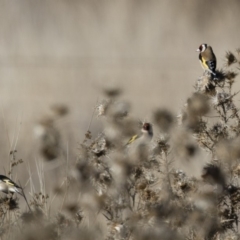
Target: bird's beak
(198,50)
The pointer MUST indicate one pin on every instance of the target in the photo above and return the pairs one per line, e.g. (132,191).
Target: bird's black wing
(8,181)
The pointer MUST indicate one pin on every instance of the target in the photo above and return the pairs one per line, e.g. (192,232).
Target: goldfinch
(138,146)
(207,59)
(8,186)
(147,134)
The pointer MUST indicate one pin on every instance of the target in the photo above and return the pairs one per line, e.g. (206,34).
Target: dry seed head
(99,147)
(161,145)
(112,92)
(230,75)
(50,152)
(220,76)
(119,230)
(49,137)
(42,126)
(72,208)
(204,85)
(230,59)
(218,131)
(9,203)
(60,110)
(236,170)
(213,174)
(141,185)
(183,183)
(118,110)
(220,98)
(182,117)
(225,99)
(85,171)
(198,105)
(62,220)
(163,119)
(79,216)
(102,108)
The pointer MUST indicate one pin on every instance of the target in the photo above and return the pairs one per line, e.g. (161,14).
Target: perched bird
(138,145)
(8,186)
(146,136)
(207,59)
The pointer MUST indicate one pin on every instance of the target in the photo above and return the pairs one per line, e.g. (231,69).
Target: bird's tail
(213,75)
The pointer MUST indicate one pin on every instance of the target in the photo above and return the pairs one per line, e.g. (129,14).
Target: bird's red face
(202,47)
(146,127)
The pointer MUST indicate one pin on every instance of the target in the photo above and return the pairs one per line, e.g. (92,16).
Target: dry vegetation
(184,184)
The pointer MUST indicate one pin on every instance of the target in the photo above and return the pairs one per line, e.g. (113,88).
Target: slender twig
(24,196)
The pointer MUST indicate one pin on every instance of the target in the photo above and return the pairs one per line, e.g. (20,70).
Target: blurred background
(66,52)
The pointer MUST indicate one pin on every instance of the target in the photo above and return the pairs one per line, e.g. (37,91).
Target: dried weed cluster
(183,184)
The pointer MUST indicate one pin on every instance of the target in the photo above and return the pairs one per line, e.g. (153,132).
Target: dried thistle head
(60,110)
(196,107)
(49,137)
(102,107)
(220,80)
(118,230)
(230,59)
(85,171)
(213,174)
(161,145)
(219,131)
(113,109)
(230,76)
(72,208)
(223,99)
(198,104)
(182,184)
(112,92)
(8,203)
(62,221)
(163,119)
(236,170)
(50,152)
(99,146)
(205,85)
